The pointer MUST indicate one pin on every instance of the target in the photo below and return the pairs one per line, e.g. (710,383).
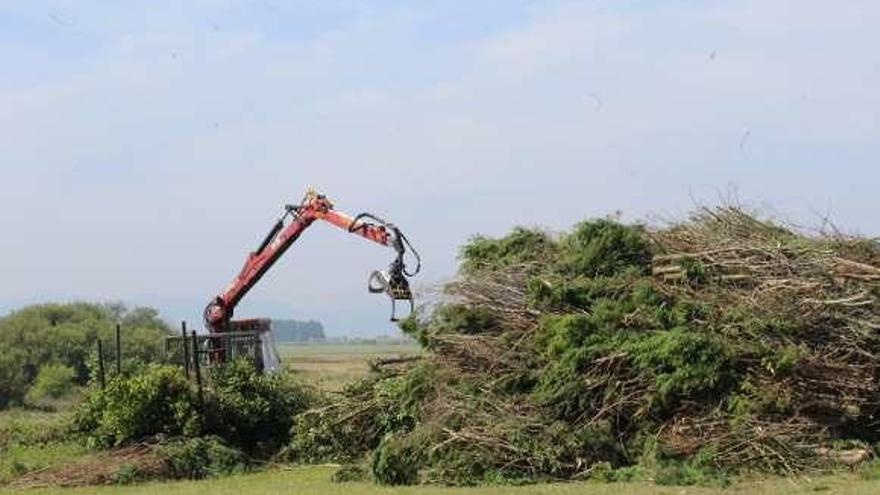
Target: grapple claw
(393,284)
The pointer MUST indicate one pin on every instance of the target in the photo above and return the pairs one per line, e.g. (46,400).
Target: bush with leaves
(603,248)
(52,382)
(160,400)
(521,247)
(13,377)
(202,457)
(248,410)
(251,410)
(65,334)
(398,459)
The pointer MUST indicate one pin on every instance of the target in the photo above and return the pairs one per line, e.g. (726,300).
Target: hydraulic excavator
(293,222)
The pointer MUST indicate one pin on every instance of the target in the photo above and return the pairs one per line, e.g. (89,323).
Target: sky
(147,147)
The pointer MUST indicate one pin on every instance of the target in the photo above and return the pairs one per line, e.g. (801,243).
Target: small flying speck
(61,21)
(712,56)
(744,140)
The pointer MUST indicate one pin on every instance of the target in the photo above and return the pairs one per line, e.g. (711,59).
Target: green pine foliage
(589,361)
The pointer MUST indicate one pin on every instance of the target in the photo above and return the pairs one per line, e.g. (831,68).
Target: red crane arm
(284,233)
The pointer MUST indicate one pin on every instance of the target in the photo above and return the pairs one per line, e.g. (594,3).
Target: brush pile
(716,345)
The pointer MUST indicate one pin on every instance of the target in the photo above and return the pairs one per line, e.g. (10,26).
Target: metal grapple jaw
(395,286)
(393,282)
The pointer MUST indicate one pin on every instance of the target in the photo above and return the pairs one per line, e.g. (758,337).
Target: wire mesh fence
(208,350)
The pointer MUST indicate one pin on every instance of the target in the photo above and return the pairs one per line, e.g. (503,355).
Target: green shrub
(246,409)
(562,444)
(251,410)
(521,246)
(349,473)
(197,458)
(683,363)
(603,248)
(65,334)
(315,437)
(556,293)
(158,401)
(18,468)
(397,459)
(694,271)
(13,378)
(460,467)
(52,382)
(126,474)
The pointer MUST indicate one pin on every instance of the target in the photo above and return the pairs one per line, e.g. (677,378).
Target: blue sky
(145,147)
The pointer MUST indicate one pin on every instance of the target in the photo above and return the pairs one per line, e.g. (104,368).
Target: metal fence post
(101,378)
(185,349)
(196,366)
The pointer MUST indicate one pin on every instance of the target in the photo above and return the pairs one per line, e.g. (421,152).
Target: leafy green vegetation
(32,440)
(19,459)
(603,248)
(14,380)
(62,336)
(52,381)
(202,457)
(250,411)
(522,246)
(158,400)
(612,352)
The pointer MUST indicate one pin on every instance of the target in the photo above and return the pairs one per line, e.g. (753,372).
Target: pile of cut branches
(719,344)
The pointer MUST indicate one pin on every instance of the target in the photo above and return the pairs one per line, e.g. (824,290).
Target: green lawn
(314,480)
(331,366)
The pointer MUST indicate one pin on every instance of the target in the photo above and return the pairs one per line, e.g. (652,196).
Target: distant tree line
(298,331)
(45,345)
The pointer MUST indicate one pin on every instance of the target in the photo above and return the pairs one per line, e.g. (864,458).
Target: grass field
(315,480)
(33,440)
(331,366)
